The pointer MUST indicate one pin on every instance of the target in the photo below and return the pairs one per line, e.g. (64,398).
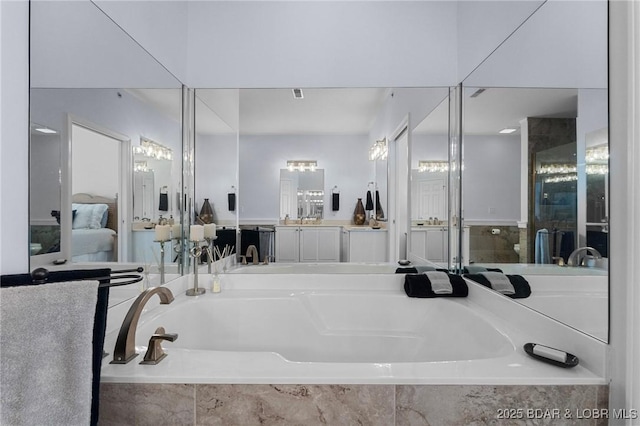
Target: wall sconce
(151,149)
(379,150)
(433,166)
(302,165)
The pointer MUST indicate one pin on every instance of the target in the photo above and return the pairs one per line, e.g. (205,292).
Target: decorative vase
(359,214)
(206,212)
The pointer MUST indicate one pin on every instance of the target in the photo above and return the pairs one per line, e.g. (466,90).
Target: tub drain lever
(155,354)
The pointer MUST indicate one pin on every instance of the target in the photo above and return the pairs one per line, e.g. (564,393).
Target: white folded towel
(440,283)
(499,282)
(46,339)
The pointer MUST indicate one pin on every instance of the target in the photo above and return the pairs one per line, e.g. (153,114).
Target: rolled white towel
(499,282)
(440,283)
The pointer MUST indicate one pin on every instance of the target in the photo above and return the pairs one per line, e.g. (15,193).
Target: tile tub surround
(484,247)
(246,404)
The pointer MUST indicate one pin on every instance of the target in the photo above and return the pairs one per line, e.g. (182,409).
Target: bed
(94,234)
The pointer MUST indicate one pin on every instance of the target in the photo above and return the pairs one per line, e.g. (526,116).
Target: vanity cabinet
(365,245)
(307,244)
(144,247)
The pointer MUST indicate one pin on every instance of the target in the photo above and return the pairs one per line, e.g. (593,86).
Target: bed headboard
(112,206)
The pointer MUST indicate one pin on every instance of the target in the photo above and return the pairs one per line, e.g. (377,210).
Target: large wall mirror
(535,145)
(105,142)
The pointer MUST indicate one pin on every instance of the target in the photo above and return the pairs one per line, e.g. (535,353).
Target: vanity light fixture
(557,169)
(597,154)
(151,149)
(508,130)
(433,166)
(302,165)
(379,150)
(140,166)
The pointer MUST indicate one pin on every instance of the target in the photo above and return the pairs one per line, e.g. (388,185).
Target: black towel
(379,211)
(163,205)
(419,285)
(466,270)
(335,201)
(231,199)
(520,285)
(406,270)
(369,203)
(99,324)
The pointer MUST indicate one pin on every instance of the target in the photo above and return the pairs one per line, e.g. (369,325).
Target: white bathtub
(338,329)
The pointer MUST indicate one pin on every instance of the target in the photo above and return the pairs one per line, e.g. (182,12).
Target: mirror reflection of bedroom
(95,183)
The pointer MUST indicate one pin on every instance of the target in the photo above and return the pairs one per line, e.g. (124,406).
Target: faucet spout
(252,252)
(577,256)
(125,349)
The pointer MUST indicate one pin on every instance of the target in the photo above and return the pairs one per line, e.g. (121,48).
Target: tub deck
(496,356)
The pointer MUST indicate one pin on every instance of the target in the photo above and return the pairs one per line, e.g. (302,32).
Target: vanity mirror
(302,194)
(535,151)
(430,188)
(99,113)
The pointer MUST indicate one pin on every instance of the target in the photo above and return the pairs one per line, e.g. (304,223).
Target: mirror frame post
(455,209)
(188,175)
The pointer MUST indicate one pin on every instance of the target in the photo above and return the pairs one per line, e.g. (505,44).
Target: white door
(431,199)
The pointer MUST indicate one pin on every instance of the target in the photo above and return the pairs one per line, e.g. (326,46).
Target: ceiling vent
(477,93)
(297,93)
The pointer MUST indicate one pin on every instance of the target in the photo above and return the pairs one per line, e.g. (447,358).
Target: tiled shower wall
(484,247)
(191,404)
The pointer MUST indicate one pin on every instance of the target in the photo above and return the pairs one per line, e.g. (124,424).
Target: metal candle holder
(161,260)
(195,252)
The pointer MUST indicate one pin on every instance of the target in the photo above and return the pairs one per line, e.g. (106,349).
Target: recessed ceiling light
(508,130)
(297,93)
(45,130)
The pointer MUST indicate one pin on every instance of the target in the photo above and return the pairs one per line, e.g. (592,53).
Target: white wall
(216,172)
(95,160)
(344,160)
(14,134)
(162,32)
(74,44)
(46,192)
(322,44)
(624,294)
(483,25)
(564,44)
(491,179)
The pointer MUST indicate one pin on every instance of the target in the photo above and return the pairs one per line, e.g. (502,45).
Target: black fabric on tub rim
(419,285)
(519,283)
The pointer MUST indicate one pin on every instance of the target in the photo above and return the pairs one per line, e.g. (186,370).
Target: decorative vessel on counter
(206,212)
(359,214)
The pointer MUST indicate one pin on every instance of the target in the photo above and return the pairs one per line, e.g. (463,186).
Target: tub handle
(155,353)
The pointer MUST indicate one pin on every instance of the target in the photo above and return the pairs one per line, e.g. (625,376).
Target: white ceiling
(353,111)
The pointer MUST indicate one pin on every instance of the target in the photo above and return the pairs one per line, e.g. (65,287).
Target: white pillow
(88,216)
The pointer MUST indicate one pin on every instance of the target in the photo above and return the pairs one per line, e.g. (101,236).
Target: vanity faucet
(577,256)
(125,349)
(252,252)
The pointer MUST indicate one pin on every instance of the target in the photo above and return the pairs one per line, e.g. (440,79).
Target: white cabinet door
(328,245)
(435,247)
(320,244)
(368,246)
(287,244)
